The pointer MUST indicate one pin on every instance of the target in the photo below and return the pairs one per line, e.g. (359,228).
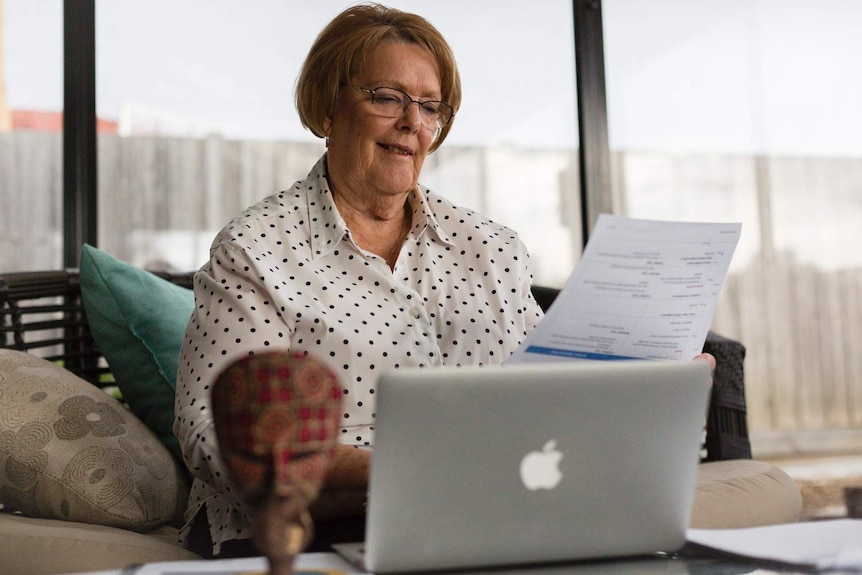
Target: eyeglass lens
(393,103)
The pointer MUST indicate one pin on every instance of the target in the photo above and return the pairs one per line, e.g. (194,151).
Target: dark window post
(79,128)
(594,160)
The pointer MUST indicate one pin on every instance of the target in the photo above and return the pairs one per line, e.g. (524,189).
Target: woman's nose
(411,118)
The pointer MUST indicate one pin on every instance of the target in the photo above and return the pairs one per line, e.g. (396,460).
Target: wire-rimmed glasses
(392,103)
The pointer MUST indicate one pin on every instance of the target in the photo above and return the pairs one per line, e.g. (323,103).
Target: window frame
(80,161)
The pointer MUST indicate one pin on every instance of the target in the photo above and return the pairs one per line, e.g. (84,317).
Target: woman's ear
(327,124)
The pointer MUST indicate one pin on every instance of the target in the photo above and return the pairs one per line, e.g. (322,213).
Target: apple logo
(541,469)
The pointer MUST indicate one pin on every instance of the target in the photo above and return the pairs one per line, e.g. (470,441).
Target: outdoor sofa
(89,482)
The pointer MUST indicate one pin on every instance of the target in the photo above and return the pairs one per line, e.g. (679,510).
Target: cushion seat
(729,494)
(46,546)
(744,493)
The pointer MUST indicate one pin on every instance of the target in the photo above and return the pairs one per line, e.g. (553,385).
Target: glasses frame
(373,92)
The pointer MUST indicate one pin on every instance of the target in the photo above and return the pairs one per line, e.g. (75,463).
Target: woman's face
(369,153)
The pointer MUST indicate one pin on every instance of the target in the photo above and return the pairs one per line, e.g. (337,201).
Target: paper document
(305,564)
(643,289)
(827,546)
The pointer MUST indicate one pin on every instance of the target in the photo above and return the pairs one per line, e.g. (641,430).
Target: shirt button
(416,313)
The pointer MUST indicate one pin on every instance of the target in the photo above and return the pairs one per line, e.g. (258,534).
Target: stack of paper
(825,546)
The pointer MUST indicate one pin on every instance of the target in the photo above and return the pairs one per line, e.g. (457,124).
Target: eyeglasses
(392,103)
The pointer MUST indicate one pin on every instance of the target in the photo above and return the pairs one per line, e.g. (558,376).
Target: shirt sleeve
(233,317)
(532,311)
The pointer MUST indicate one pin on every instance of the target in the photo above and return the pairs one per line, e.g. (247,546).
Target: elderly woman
(358,264)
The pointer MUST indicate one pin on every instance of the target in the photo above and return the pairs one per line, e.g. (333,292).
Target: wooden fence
(801,323)
(801,327)
(794,295)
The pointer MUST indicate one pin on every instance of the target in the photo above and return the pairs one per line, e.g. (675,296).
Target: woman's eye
(431,108)
(388,99)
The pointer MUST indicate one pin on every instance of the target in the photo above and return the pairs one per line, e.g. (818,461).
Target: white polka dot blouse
(286,274)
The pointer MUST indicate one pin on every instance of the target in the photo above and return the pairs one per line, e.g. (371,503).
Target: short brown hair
(343,48)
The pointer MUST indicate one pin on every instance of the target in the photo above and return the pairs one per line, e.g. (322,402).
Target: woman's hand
(707,357)
(345,489)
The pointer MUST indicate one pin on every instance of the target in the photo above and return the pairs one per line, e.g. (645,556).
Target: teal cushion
(138,321)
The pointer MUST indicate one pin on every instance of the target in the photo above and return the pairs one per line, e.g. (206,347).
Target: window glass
(202,93)
(745,111)
(31,118)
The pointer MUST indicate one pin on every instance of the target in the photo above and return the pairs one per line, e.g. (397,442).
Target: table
(330,563)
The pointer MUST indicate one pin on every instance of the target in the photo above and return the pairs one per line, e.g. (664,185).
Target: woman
(357,264)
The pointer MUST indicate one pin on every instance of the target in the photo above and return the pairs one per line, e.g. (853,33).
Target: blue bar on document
(577,354)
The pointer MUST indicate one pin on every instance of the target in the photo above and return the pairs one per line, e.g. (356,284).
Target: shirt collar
(328,228)
(424,217)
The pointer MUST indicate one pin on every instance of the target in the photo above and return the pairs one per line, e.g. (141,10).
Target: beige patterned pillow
(69,451)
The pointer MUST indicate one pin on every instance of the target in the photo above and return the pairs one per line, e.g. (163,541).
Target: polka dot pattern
(286,274)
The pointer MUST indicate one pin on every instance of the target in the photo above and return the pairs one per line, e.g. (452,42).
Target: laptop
(532,463)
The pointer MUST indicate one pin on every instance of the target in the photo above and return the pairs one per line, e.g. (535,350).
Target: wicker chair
(41,312)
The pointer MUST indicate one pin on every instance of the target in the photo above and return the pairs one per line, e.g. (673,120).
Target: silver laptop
(532,463)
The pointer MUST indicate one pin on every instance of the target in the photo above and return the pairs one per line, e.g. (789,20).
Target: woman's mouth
(401,151)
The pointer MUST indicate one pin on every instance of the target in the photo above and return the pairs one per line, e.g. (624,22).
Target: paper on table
(834,545)
(305,564)
(643,289)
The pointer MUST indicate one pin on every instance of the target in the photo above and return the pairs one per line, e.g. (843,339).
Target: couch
(90,473)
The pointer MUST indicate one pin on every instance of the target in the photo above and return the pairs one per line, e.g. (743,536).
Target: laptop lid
(531,463)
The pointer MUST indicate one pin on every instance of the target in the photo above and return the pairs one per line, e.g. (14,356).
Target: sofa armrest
(726,427)
(41,312)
